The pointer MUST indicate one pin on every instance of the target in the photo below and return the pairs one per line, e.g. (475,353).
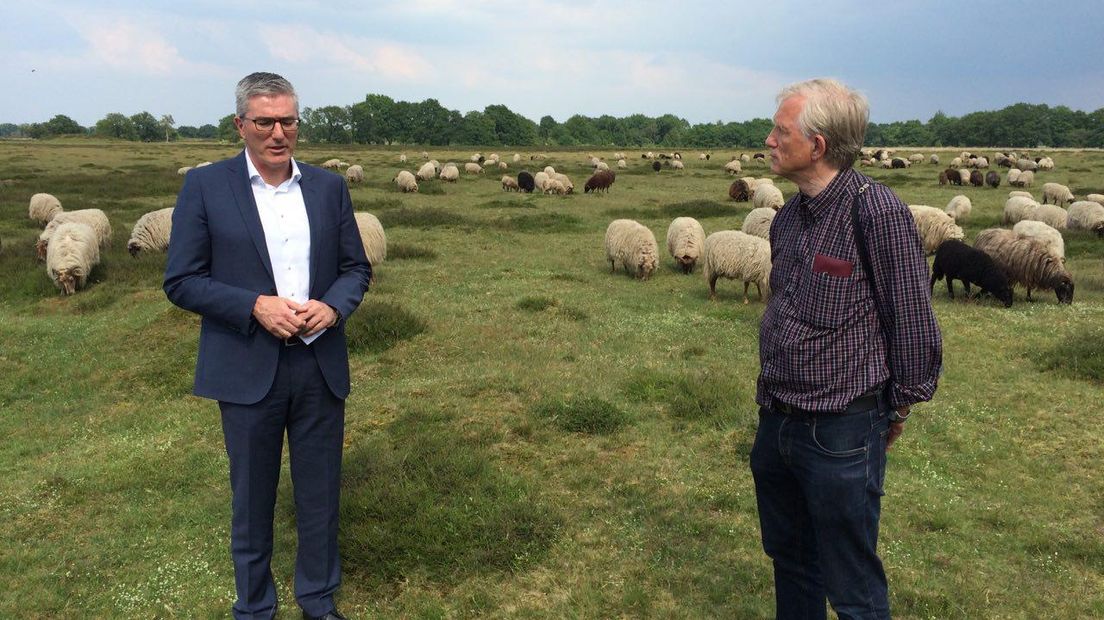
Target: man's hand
(896,428)
(316,316)
(278,315)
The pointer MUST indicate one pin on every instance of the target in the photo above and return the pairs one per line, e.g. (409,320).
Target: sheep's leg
(966,285)
(713,288)
(613,266)
(950,287)
(1029,294)
(759,290)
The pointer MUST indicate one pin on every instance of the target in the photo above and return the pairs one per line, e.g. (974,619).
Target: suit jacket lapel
(247,205)
(313,203)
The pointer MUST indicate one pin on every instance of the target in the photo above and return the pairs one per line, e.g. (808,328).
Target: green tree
(167,123)
(62,125)
(510,128)
(116,125)
(477,129)
(146,127)
(227,130)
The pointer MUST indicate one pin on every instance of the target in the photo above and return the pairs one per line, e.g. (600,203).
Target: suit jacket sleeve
(354,270)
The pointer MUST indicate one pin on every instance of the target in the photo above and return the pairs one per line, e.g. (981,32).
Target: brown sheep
(739,191)
(600,180)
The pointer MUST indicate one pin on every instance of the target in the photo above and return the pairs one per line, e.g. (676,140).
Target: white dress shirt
(287,233)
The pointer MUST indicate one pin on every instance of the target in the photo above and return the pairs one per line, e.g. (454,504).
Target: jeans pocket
(841,436)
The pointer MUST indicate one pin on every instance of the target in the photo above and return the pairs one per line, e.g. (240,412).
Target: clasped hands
(284,318)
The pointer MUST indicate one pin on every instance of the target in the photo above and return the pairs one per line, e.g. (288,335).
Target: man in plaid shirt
(845,351)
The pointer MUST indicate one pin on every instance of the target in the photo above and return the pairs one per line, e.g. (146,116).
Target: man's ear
(820,147)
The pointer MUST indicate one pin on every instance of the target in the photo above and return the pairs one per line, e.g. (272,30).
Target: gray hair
(262,84)
(836,112)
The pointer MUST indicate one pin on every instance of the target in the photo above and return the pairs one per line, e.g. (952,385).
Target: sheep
(517,157)
(406,181)
(94,218)
(739,191)
(897,162)
(503,165)
(373,238)
(702,157)
(733,167)
(943,177)
(1017,208)
(1056,193)
(955,260)
(425,155)
(633,245)
(963,176)
(767,196)
(1027,165)
(449,173)
(1025,179)
(427,171)
(1097,198)
(956,162)
(1013,176)
(549,170)
(183,170)
(355,174)
(992,179)
(758,222)
(473,168)
(648,155)
(476,158)
(73,251)
(402,158)
(43,208)
(656,166)
(1052,215)
(981,162)
(207,163)
(916,158)
(151,232)
(1049,235)
(952,176)
(976,178)
(554,186)
(959,208)
(437,167)
(1026,261)
(599,181)
(1087,215)
(331,164)
(934,227)
(745,158)
(934,159)
(526,182)
(563,179)
(737,256)
(622,164)
(1046,163)
(1017,192)
(541,179)
(510,184)
(685,238)
(677,164)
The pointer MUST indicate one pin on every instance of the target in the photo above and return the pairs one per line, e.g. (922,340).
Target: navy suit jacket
(218,265)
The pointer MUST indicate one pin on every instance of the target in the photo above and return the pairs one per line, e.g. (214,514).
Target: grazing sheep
(897,162)
(678,165)
(702,157)
(934,227)
(425,155)
(526,182)
(622,164)
(656,166)
(1026,261)
(1097,198)
(1013,176)
(402,158)
(476,158)
(541,179)
(183,170)
(739,191)
(934,159)
(449,173)
(733,167)
(943,177)
(517,157)
(503,165)
(633,245)
(952,176)
(151,232)
(766,195)
(473,168)
(355,174)
(745,158)
(976,178)
(373,238)
(43,208)
(599,181)
(963,176)
(992,179)
(406,181)
(916,158)
(1087,215)
(207,163)
(737,256)
(549,170)
(94,218)
(956,162)
(1042,231)
(959,208)
(1027,165)
(332,164)
(758,222)
(1046,163)
(1025,179)
(563,178)
(1017,192)
(554,186)
(1018,208)
(955,260)
(510,184)
(1052,215)
(685,238)
(73,251)
(427,171)
(1056,193)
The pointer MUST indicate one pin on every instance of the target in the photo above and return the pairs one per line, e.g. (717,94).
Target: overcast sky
(702,61)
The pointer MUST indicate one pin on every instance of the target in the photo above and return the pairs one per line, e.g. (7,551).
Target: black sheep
(526,182)
(976,179)
(898,163)
(992,178)
(758,156)
(943,178)
(955,260)
(739,191)
(600,181)
(953,177)
(656,166)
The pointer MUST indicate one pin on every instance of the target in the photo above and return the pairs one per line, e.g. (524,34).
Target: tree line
(380,120)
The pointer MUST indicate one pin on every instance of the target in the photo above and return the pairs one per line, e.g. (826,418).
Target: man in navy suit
(267,251)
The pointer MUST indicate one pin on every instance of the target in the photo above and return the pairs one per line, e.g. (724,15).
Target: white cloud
(306,46)
(129,45)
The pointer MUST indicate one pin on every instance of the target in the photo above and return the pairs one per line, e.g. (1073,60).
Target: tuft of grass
(574,314)
(409,251)
(431,188)
(420,217)
(698,396)
(541,223)
(535,304)
(698,209)
(629,213)
(1079,355)
(377,205)
(377,326)
(507,204)
(588,414)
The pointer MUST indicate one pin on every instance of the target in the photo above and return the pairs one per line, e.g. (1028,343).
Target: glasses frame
(275,121)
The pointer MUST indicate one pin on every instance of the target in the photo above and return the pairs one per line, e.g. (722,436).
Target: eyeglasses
(289,124)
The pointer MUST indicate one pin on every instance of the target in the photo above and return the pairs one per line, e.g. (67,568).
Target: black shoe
(332,615)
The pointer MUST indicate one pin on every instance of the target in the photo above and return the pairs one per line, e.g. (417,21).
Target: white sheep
(402,158)
(1056,193)
(332,164)
(745,158)
(766,195)
(406,181)
(633,245)
(1013,176)
(474,158)
(540,179)
(427,171)
(601,166)
(43,208)
(355,174)
(934,159)
(675,164)
(549,170)
(758,222)
(373,238)
(183,170)
(916,158)
(94,218)
(503,165)
(1046,163)
(733,167)
(685,239)
(510,184)
(1026,261)
(959,208)
(565,181)
(1017,208)
(151,232)
(517,157)
(1050,236)
(1087,215)
(956,162)
(737,256)
(74,250)
(207,163)
(1053,215)
(555,186)
(1097,198)
(1025,179)
(473,168)
(934,227)
(964,174)
(450,173)
(425,155)
(622,164)
(702,157)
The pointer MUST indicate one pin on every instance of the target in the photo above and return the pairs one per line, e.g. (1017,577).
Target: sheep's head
(67,280)
(134,249)
(1004,294)
(40,248)
(1064,290)
(687,262)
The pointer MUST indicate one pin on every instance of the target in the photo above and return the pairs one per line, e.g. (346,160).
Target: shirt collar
(255,175)
(830,195)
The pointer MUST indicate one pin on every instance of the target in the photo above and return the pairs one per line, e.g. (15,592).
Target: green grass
(528,436)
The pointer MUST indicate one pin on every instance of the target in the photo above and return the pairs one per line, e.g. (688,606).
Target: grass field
(528,435)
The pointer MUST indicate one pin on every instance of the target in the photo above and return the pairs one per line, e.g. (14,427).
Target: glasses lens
(264,124)
(289,124)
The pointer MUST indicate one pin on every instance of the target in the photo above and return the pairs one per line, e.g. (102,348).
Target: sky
(701,61)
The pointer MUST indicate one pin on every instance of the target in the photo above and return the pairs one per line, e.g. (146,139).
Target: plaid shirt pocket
(827,301)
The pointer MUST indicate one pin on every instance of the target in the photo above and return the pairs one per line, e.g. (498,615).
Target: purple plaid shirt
(820,343)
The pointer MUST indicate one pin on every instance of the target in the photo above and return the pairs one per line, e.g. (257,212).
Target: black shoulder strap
(864,256)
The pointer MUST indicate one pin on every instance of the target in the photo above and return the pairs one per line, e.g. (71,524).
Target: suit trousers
(300,403)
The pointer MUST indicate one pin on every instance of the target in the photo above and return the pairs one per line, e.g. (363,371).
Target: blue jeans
(818,485)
